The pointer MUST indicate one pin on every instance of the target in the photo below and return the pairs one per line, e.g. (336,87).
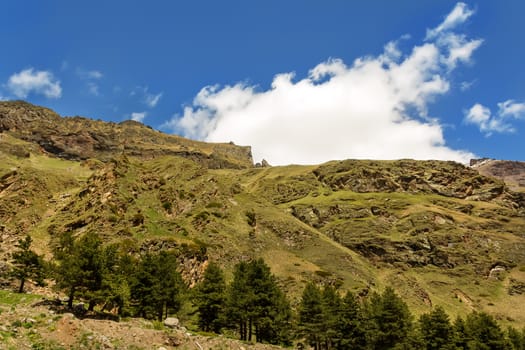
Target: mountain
(440,233)
(511,172)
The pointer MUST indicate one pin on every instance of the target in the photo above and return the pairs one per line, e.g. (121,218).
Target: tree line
(252,305)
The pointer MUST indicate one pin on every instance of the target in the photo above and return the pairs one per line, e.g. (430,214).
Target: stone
(171,322)
(28,320)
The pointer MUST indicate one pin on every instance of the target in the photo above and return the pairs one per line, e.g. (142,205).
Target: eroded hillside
(439,232)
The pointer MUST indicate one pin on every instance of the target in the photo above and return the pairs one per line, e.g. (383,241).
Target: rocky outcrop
(511,172)
(79,138)
(447,179)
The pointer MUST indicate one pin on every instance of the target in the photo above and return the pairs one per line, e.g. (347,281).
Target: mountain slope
(439,232)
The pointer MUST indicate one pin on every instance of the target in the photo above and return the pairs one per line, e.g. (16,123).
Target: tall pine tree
(436,330)
(156,286)
(256,304)
(27,264)
(390,320)
(311,316)
(351,325)
(80,267)
(210,298)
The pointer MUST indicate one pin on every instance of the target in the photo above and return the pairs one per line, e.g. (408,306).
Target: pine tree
(389,320)
(256,304)
(156,286)
(351,324)
(311,315)
(460,336)
(484,332)
(238,299)
(27,264)
(210,298)
(516,338)
(80,267)
(436,330)
(115,289)
(331,309)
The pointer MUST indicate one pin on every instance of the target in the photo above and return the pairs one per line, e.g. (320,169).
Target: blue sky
(301,81)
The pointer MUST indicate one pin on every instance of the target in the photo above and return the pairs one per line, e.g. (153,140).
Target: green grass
(9,298)
(182,201)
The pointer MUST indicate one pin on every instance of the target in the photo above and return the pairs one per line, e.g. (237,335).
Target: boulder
(171,322)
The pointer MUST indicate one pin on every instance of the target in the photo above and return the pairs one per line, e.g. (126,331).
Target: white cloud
(94,74)
(38,82)
(466,85)
(89,74)
(375,108)
(458,15)
(138,116)
(510,108)
(152,100)
(458,49)
(489,123)
(93,88)
(149,99)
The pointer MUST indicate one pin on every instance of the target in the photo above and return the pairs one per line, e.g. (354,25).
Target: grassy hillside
(438,232)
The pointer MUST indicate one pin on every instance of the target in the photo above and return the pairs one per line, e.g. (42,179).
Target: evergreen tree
(389,320)
(459,334)
(311,315)
(156,286)
(238,299)
(80,267)
(331,309)
(516,338)
(27,264)
(351,324)
(257,305)
(436,330)
(483,332)
(115,290)
(210,298)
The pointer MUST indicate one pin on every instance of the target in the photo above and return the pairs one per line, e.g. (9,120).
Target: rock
(171,322)
(497,272)
(28,320)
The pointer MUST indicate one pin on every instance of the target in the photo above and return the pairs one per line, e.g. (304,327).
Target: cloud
(149,99)
(37,82)
(94,74)
(89,74)
(457,47)
(152,100)
(489,123)
(93,88)
(458,15)
(466,85)
(510,108)
(138,116)
(377,108)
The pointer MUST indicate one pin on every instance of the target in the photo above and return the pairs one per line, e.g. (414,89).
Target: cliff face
(440,233)
(77,138)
